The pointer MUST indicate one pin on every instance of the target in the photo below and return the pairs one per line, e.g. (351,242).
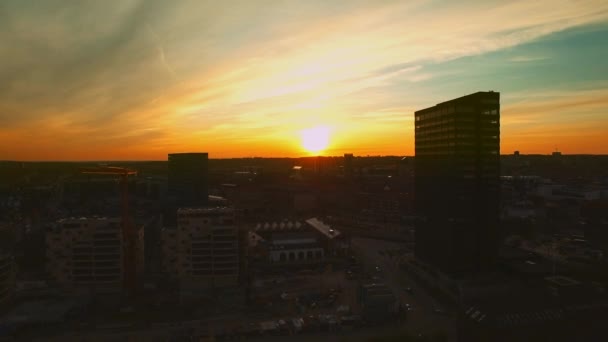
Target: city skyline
(139,80)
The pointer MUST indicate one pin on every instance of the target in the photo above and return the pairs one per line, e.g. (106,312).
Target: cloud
(524,59)
(157,75)
(575,119)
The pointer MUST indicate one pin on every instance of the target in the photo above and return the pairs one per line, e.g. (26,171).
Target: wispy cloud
(524,59)
(156,75)
(573,119)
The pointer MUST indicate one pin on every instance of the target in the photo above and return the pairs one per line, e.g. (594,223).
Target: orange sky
(139,80)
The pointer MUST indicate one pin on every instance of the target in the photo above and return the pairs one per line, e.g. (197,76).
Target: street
(422,318)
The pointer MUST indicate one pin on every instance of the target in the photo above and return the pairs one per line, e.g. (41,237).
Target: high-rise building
(457,167)
(203,251)
(88,253)
(187,178)
(7,277)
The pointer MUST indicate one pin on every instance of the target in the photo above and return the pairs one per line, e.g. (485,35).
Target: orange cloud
(146,79)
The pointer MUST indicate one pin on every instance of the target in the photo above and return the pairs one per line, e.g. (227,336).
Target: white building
(203,251)
(87,253)
(294,242)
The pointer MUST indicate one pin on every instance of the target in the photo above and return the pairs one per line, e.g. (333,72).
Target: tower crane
(129,234)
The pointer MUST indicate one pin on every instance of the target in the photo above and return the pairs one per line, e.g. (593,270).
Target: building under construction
(202,252)
(88,254)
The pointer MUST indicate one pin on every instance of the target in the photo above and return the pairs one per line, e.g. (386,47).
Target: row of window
(443,151)
(435,114)
(444,112)
(226,222)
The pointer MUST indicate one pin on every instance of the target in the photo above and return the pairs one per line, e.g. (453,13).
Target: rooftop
(323,228)
(273,226)
(84,218)
(202,210)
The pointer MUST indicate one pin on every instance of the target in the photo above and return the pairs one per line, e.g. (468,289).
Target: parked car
(440,311)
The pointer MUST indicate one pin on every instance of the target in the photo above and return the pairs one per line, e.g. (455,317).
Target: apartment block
(87,253)
(202,252)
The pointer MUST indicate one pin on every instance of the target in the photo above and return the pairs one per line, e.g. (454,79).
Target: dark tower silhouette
(457,168)
(187,179)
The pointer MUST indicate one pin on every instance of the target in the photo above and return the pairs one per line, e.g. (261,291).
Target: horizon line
(301,157)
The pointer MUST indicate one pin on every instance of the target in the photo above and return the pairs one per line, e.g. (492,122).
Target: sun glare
(315,139)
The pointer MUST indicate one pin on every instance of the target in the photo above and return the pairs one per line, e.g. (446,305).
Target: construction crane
(129,234)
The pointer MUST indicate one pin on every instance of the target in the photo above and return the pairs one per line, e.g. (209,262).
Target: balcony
(107,250)
(109,271)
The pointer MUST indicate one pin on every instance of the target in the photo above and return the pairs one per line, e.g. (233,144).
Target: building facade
(7,277)
(292,243)
(203,251)
(187,179)
(457,170)
(87,253)
(281,243)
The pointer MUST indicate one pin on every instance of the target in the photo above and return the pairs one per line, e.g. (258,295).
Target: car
(440,311)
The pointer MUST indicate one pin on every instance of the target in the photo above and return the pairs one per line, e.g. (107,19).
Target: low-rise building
(88,253)
(296,242)
(377,301)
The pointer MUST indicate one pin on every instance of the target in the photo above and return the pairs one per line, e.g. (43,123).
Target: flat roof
(206,210)
(462,98)
(562,280)
(323,228)
(188,153)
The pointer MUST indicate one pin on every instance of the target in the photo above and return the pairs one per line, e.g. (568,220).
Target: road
(422,318)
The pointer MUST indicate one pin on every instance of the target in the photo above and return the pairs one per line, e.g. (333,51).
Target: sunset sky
(115,80)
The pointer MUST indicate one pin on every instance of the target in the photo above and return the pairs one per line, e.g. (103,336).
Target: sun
(315,139)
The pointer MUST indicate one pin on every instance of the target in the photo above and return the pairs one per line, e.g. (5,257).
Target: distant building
(457,187)
(203,251)
(153,188)
(7,277)
(348,165)
(187,179)
(87,253)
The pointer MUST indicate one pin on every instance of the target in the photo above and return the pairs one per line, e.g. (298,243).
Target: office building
(457,169)
(87,254)
(187,179)
(202,252)
(7,277)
